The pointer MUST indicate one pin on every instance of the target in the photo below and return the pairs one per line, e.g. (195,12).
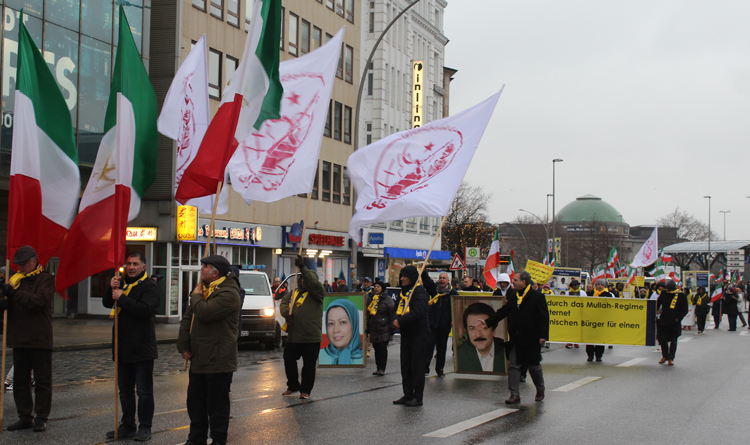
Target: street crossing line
(471,423)
(576,384)
(684,339)
(631,362)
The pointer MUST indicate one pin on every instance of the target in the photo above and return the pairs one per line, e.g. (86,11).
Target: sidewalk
(80,334)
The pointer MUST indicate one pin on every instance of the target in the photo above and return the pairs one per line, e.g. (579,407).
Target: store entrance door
(190,277)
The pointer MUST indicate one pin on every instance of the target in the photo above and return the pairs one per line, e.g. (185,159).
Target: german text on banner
(125,168)
(416,172)
(281,158)
(595,320)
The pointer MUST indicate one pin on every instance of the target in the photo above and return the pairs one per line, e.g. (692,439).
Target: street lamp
(546,232)
(554,161)
(708,261)
(725,221)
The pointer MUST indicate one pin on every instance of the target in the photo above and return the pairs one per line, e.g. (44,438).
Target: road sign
(472,255)
(457,263)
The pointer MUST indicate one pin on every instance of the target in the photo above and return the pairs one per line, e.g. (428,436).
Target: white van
(259,310)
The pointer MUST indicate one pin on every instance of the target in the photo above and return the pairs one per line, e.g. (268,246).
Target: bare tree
(688,227)
(467,223)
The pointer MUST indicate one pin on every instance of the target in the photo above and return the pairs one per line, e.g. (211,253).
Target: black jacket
(701,304)
(380,326)
(440,313)
(508,293)
(670,320)
(416,320)
(136,322)
(527,324)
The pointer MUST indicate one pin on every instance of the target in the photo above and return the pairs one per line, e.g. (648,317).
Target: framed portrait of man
(478,349)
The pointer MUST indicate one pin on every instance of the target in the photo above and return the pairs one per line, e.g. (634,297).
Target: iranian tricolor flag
(675,276)
(492,266)
(125,168)
(659,273)
(631,274)
(44,178)
(252,96)
(511,270)
(665,258)
(718,293)
(611,263)
(598,272)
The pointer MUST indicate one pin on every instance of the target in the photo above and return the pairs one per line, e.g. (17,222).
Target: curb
(104,345)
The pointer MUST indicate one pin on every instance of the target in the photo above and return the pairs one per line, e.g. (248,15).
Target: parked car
(259,320)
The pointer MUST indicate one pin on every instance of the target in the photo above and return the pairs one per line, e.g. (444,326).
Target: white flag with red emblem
(281,158)
(416,172)
(648,253)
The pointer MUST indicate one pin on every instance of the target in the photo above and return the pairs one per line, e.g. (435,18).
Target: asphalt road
(628,399)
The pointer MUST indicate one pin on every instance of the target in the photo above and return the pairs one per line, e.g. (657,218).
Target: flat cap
(219,262)
(24,254)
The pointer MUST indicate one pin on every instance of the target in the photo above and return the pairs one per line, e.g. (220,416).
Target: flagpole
(117,360)
(5,335)
(301,240)
(427,258)
(207,251)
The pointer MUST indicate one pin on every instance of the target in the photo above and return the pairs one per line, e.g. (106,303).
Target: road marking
(743,333)
(684,339)
(576,384)
(478,377)
(631,362)
(471,423)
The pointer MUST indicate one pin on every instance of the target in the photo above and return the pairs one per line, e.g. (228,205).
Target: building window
(249,16)
(372,22)
(368,138)
(336,183)
(326,185)
(327,131)
(200,4)
(214,74)
(337,121)
(233,13)
(217,9)
(370,83)
(347,125)
(424,224)
(316,37)
(293,32)
(340,7)
(340,67)
(329,4)
(350,10)
(397,224)
(347,188)
(230,66)
(304,37)
(315,185)
(411,224)
(349,63)
(281,43)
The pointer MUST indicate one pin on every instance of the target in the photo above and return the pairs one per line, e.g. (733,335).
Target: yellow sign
(141,234)
(187,223)
(640,281)
(540,273)
(597,320)
(416,94)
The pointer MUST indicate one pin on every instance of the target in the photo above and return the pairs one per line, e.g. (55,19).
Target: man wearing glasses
(483,352)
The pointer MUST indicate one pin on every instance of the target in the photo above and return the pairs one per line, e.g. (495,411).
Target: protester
(546,290)
(575,291)
(380,316)
(503,287)
(612,291)
(342,287)
(303,311)
(208,338)
(672,305)
(740,294)
(137,300)
(528,328)
(412,321)
(441,321)
(731,298)
(357,286)
(29,297)
(642,293)
(716,312)
(327,287)
(366,286)
(701,300)
(597,350)
(657,288)
(468,285)
(589,288)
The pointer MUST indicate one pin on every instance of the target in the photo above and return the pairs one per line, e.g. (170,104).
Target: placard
(343,332)
(471,344)
(540,273)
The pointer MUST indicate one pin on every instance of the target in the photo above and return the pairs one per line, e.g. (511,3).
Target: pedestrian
(528,329)
(137,300)
(740,294)
(29,298)
(503,287)
(380,316)
(597,350)
(276,287)
(546,290)
(575,291)
(357,286)
(327,287)
(441,319)
(412,321)
(672,305)
(716,312)
(208,338)
(303,311)
(729,305)
(468,285)
(342,287)
(701,300)
(657,290)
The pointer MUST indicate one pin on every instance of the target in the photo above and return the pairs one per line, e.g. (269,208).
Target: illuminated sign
(326,240)
(141,234)
(187,223)
(416,96)
(230,233)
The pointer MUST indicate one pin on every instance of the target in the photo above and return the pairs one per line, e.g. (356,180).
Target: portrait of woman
(342,326)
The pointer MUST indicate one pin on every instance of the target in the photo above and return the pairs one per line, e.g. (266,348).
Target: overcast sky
(647,103)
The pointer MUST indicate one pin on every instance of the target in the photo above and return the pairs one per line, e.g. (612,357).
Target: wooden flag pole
(207,250)
(421,269)
(301,240)
(5,336)
(117,359)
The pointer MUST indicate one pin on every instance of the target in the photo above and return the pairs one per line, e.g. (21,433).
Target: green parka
(306,323)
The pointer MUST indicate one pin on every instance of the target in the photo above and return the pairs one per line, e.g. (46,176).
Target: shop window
(336,183)
(326,184)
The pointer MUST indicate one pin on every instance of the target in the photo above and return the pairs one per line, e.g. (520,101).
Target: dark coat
(306,322)
(440,313)
(416,320)
(30,313)
(730,303)
(136,322)
(213,338)
(380,326)
(510,292)
(670,320)
(527,324)
(701,304)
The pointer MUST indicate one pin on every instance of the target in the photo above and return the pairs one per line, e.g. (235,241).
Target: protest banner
(540,273)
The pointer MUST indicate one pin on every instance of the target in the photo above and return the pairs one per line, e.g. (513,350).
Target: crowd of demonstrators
(441,321)
(672,307)
(380,316)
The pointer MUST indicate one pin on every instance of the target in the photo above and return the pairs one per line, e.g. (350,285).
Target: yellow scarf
(15,280)
(435,299)
(700,298)
(674,300)
(547,292)
(207,291)
(520,297)
(126,290)
(296,303)
(402,308)
(597,293)
(373,307)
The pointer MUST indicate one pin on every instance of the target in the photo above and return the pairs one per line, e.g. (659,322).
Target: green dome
(588,208)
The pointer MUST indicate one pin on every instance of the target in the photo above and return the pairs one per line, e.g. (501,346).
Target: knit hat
(219,262)
(574,283)
(671,286)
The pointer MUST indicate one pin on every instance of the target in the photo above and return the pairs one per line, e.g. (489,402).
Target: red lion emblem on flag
(407,164)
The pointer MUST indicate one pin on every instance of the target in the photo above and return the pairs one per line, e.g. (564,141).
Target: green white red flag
(718,294)
(125,168)
(492,266)
(44,177)
(511,271)
(612,263)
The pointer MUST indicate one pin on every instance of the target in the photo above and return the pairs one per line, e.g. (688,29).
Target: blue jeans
(132,378)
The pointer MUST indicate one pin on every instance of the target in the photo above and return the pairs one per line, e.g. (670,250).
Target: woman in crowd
(700,300)
(380,316)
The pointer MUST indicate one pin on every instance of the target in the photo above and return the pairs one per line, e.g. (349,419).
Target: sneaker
(569,346)
(288,392)
(21,425)
(142,435)
(304,395)
(122,432)
(40,425)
